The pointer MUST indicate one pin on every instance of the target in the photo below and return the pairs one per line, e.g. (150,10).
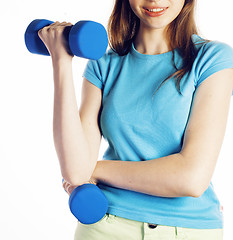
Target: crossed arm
(189,172)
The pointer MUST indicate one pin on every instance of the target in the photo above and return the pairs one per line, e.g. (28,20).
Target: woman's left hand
(69,188)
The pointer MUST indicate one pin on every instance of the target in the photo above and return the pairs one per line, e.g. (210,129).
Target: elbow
(195,187)
(195,179)
(195,192)
(76,173)
(76,179)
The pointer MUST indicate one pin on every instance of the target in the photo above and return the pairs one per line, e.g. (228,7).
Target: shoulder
(211,57)
(103,67)
(109,59)
(208,48)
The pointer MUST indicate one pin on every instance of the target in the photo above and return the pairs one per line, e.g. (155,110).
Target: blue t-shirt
(139,126)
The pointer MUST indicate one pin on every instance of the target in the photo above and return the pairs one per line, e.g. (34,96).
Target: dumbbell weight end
(88,203)
(88,39)
(33,42)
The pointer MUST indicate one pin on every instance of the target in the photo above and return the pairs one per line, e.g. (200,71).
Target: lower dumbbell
(88,203)
(87,39)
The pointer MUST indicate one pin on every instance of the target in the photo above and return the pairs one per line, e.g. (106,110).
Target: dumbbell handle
(87,39)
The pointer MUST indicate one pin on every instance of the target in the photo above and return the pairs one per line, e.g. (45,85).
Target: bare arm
(70,137)
(189,172)
(77,151)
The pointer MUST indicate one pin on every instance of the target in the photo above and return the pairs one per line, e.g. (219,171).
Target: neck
(151,41)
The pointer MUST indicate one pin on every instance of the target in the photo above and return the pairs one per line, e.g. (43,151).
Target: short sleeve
(93,73)
(213,57)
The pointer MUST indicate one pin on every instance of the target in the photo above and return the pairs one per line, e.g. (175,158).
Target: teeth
(156,10)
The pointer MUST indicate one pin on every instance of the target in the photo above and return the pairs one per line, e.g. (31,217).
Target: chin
(155,26)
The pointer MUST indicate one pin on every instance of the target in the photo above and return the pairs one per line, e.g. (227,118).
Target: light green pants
(116,228)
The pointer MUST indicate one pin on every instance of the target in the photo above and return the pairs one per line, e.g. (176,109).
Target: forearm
(69,138)
(165,177)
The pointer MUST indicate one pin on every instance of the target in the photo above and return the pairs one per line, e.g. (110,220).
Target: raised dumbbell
(87,39)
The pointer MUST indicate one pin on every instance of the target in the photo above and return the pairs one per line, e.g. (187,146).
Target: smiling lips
(155,12)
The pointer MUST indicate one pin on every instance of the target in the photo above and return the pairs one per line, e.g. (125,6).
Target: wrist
(62,72)
(61,61)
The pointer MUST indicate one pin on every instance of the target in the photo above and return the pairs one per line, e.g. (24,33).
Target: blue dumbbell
(87,39)
(88,203)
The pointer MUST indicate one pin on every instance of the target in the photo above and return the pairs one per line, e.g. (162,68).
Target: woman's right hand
(53,36)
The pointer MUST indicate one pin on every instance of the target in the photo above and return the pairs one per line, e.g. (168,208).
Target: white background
(33,204)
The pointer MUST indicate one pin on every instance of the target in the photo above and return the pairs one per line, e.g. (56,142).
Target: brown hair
(123,27)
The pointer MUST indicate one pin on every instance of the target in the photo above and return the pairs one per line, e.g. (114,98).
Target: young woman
(160,97)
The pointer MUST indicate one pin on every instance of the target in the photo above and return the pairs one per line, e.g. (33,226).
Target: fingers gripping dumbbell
(87,39)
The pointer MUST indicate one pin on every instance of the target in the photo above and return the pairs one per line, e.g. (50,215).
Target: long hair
(123,26)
